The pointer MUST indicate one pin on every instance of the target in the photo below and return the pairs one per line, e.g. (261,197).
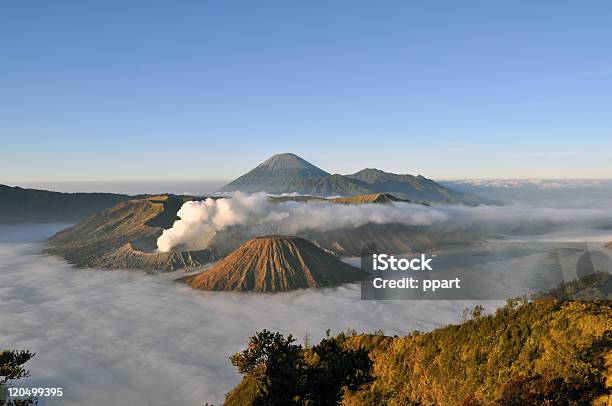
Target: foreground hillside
(539,353)
(19,205)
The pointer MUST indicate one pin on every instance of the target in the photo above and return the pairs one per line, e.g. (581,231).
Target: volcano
(275,264)
(278,174)
(125,236)
(288,173)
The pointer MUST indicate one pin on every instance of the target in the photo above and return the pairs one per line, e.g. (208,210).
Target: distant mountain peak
(289,160)
(288,173)
(276,175)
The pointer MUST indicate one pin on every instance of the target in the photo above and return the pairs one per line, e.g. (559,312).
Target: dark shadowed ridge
(411,187)
(18,205)
(275,264)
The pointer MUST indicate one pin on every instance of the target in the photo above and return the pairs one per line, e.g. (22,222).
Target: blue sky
(205,90)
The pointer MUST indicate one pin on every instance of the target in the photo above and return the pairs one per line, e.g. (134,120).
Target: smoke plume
(256,215)
(244,216)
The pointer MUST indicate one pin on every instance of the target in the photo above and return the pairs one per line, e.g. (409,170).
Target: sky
(206,90)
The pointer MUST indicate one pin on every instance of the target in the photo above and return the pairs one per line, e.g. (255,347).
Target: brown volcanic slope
(275,264)
(380,198)
(125,236)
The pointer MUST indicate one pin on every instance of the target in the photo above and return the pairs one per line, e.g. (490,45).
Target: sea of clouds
(125,337)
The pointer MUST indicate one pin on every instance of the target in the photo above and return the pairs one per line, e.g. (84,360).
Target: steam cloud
(200,221)
(252,215)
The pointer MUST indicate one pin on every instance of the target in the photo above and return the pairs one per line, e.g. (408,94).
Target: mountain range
(281,174)
(288,173)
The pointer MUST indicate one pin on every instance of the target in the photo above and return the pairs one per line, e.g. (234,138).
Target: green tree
(11,369)
(334,369)
(307,340)
(283,373)
(275,364)
(540,390)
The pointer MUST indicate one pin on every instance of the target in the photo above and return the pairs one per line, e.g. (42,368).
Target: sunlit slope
(381,198)
(275,264)
(557,353)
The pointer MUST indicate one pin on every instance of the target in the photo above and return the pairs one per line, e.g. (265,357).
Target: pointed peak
(285,155)
(286,160)
(278,174)
(275,263)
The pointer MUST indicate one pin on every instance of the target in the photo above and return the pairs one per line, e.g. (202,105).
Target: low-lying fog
(126,337)
(132,338)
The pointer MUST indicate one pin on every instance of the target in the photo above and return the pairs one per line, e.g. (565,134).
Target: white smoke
(201,220)
(252,215)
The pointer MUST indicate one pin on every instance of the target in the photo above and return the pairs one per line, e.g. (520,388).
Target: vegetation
(596,285)
(11,369)
(279,372)
(527,353)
